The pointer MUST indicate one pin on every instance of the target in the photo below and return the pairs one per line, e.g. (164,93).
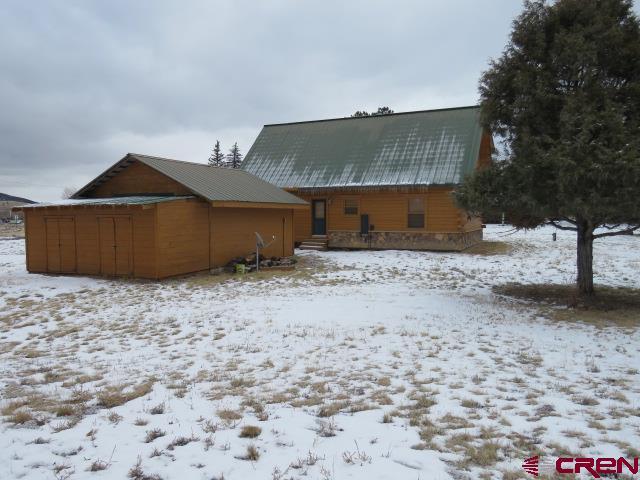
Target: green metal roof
(132,200)
(431,147)
(211,183)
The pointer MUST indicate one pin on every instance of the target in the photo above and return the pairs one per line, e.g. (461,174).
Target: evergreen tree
(380,111)
(234,157)
(216,159)
(565,98)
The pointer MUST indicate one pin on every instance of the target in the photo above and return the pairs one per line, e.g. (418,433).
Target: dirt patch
(610,305)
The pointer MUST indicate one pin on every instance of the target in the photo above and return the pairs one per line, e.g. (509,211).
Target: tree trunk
(585,258)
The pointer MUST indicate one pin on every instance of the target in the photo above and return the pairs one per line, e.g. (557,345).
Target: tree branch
(568,220)
(626,231)
(561,227)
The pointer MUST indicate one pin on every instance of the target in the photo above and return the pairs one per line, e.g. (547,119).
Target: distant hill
(10,198)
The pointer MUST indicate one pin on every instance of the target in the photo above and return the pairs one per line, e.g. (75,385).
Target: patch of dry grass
(489,248)
(114,396)
(620,306)
(250,431)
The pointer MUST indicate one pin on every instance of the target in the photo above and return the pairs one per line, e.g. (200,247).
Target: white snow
(418,335)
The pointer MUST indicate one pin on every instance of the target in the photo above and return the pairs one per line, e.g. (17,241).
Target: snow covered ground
(360,365)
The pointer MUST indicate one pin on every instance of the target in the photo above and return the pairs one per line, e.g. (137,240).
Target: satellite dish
(259,240)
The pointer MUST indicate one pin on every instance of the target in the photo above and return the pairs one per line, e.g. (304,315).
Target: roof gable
(210,183)
(434,147)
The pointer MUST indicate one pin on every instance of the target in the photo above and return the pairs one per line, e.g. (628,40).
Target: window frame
(414,215)
(357,207)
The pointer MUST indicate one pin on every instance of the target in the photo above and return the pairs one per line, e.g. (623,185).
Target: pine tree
(216,159)
(380,111)
(565,97)
(234,157)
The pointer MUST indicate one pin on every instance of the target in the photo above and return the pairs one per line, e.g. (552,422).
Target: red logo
(596,467)
(530,465)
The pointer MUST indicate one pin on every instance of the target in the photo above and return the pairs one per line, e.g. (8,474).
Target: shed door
(106,230)
(123,245)
(115,245)
(61,244)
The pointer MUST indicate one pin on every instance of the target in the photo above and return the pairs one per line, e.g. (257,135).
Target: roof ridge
(194,163)
(173,160)
(374,116)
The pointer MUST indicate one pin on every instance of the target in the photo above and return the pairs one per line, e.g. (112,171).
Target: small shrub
(65,411)
(20,417)
(469,403)
(181,442)
(153,434)
(252,454)
(39,441)
(250,431)
(157,410)
(387,418)
(114,417)
(585,400)
(331,409)
(327,428)
(98,465)
(483,456)
(136,473)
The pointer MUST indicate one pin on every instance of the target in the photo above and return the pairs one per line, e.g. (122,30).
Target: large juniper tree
(565,98)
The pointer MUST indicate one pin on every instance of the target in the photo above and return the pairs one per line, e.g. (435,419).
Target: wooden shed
(377,182)
(152,217)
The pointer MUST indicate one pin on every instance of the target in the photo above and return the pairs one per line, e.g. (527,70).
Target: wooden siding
(388,212)
(182,237)
(138,178)
(87,238)
(232,232)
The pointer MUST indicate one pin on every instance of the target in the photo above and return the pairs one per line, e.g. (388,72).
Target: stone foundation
(405,240)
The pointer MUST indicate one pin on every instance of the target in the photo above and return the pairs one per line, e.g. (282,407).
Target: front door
(319,217)
(115,245)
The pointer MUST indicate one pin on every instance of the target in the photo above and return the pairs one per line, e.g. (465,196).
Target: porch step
(318,243)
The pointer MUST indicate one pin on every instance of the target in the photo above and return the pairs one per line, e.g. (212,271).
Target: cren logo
(530,465)
(596,467)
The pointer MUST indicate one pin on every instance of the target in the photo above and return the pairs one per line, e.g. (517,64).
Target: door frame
(313,216)
(115,259)
(57,219)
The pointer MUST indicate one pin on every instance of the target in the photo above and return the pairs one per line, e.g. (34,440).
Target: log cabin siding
(182,237)
(138,178)
(387,210)
(232,232)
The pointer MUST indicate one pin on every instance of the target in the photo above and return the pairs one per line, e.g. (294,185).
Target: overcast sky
(84,82)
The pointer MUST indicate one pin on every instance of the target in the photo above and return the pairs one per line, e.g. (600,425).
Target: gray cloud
(82,82)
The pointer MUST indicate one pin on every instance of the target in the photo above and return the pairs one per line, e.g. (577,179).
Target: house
(153,217)
(377,182)
(9,202)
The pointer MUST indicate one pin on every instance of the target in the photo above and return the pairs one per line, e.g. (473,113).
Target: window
(351,206)
(416,213)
